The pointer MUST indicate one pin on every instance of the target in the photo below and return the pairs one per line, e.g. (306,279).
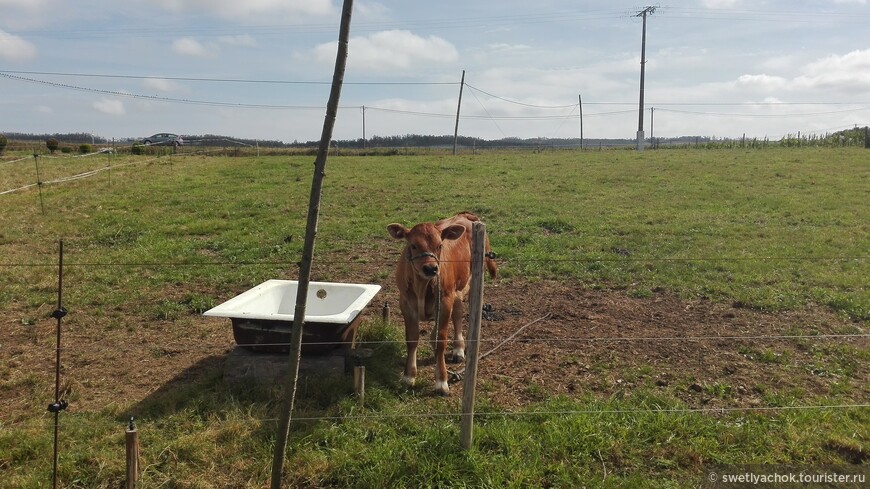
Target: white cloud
(14,48)
(110,106)
(391,50)
(235,9)
(161,84)
(762,82)
(242,40)
(188,46)
(850,71)
(849,63)
(44,109)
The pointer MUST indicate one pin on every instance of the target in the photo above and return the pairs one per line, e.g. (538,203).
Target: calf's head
(423,245)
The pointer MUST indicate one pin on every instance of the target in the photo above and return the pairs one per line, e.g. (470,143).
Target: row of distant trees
(850,137)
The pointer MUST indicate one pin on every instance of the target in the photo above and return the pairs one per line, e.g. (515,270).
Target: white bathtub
(262,317)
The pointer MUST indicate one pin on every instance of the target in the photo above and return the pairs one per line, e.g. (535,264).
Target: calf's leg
(458,353)
(412,339)
(441,387)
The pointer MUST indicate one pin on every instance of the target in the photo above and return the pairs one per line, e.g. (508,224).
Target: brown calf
(436,257)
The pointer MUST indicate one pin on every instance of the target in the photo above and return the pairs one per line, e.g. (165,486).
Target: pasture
(691,309)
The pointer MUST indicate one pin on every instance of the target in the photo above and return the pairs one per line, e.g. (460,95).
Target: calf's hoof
(408,381)
(457,356)
(442,389)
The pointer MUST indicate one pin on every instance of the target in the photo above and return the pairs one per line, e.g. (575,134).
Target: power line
(465,22)
(17,75)
(156,98)
(724,114)
(521,103)
(458,23)
(217,80)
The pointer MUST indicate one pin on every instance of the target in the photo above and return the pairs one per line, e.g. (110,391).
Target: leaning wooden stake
(132,442)
(475,314)
(308,247)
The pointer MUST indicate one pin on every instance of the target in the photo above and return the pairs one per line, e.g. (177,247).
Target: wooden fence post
(132,442)
(475,313)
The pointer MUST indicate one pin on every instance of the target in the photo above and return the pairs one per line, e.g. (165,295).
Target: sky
(261,69)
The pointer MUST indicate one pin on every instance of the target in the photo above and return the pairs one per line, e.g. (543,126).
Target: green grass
(772,230)
(638,441)
(165,239)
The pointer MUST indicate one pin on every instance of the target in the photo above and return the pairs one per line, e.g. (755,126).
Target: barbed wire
(516,414)
(397,254)
(17,160)
(278,347)
(102,169)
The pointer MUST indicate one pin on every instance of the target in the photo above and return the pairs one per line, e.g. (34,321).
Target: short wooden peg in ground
(132,441)
(385,313)
(359,383)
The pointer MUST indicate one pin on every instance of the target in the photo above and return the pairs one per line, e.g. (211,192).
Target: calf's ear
(453,232)
(397,231)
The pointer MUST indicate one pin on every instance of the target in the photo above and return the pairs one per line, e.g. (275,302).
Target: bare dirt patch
(581,342)
(707,354)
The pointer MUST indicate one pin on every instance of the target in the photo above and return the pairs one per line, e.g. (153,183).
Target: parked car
(164,138)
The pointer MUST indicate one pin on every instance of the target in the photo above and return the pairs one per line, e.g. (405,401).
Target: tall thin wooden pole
(580,101)
(458,107)
(308,247)
(475,313)
(364,125)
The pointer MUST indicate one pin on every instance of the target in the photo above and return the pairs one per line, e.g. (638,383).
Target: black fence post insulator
(132,425)
(59,313)
(58,406)
(491,255)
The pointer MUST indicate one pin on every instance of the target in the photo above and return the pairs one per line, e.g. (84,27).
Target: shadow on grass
(215,386)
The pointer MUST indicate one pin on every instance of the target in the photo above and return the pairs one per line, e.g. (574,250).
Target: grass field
(153,242)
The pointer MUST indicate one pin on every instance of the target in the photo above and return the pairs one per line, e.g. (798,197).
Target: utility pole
(458,107)
(580,100)
(643,13)
(364,125)
(652,126)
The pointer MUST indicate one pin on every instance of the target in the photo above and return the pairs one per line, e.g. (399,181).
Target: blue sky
(261,68)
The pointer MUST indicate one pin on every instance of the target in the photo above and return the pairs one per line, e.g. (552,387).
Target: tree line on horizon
(847,137)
